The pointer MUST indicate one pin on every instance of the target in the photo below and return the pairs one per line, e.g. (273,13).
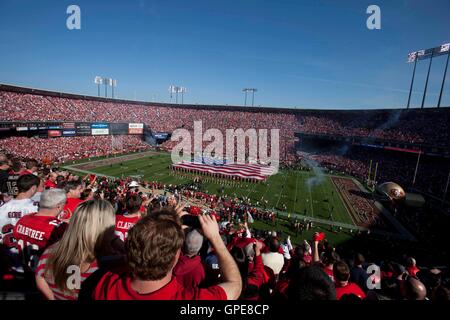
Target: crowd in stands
(73,148)
(131,241)
(416,126)
(413,126)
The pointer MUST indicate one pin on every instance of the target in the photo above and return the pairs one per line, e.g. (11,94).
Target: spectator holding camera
(153,249)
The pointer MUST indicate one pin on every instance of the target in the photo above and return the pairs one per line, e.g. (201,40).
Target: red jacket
(189,272)
(257,277)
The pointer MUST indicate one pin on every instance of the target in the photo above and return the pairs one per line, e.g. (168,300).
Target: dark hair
(359,259)
(341,271)
(85,194)
(153,243)
(25,182)
(31,164)
(16,165)
(274,245)
(311,283)
(72,185)
(133,203)
(60,181)
(330,257)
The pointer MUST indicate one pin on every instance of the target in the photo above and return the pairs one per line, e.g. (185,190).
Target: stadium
(355,190)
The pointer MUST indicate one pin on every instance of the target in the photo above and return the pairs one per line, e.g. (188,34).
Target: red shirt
(413,270)
(257,277)
(37,230)
(69,208)
(49,184)
(189,272)
(350,288)
(34,233)
(123,224)
(281,287)
(329,272)
(118,287)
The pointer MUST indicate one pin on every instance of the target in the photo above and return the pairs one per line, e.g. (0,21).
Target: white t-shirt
(10,213)
(13,210)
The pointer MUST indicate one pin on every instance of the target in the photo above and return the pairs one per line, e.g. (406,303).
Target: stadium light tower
(252,90)
(430,54)
(98,81)
(176,90)
(183,90)
(107,82)
(113,84)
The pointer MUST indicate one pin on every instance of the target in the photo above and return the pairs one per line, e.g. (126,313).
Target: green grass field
(288,187)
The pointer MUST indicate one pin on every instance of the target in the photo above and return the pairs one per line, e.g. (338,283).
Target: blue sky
(298,53)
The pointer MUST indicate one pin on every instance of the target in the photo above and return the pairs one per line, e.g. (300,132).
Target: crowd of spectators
(147,240)
(415,126)
(71,148)
(411,126)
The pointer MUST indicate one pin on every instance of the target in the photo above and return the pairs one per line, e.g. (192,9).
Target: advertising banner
(98,132)
(54,133)
(83,129)
(68,125)
(135,128)
(99,126)
(68,133)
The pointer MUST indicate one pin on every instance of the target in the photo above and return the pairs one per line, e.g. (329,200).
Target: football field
(288,188)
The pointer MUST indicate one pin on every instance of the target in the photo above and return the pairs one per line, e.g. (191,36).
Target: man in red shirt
(341,273)
(36,231)
(124,222)
(153,248)
(51,181)
(189,270)
(411,266)
(73,190)
(32,166)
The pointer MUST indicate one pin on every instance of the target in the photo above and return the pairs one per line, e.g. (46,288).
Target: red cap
(319,236)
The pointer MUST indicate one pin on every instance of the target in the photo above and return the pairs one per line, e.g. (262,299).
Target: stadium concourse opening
(114,156)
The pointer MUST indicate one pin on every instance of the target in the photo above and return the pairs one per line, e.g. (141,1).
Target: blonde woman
(66,264)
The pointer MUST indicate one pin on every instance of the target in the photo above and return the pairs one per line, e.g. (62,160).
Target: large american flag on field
(245,171)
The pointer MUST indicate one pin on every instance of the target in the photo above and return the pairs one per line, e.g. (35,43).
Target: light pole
(113,85)
(98,81)
(252,90)
(107,82)
(176,90)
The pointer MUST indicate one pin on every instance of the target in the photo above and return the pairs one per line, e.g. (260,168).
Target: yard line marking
(310,198)
(282,190)
(296,186)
